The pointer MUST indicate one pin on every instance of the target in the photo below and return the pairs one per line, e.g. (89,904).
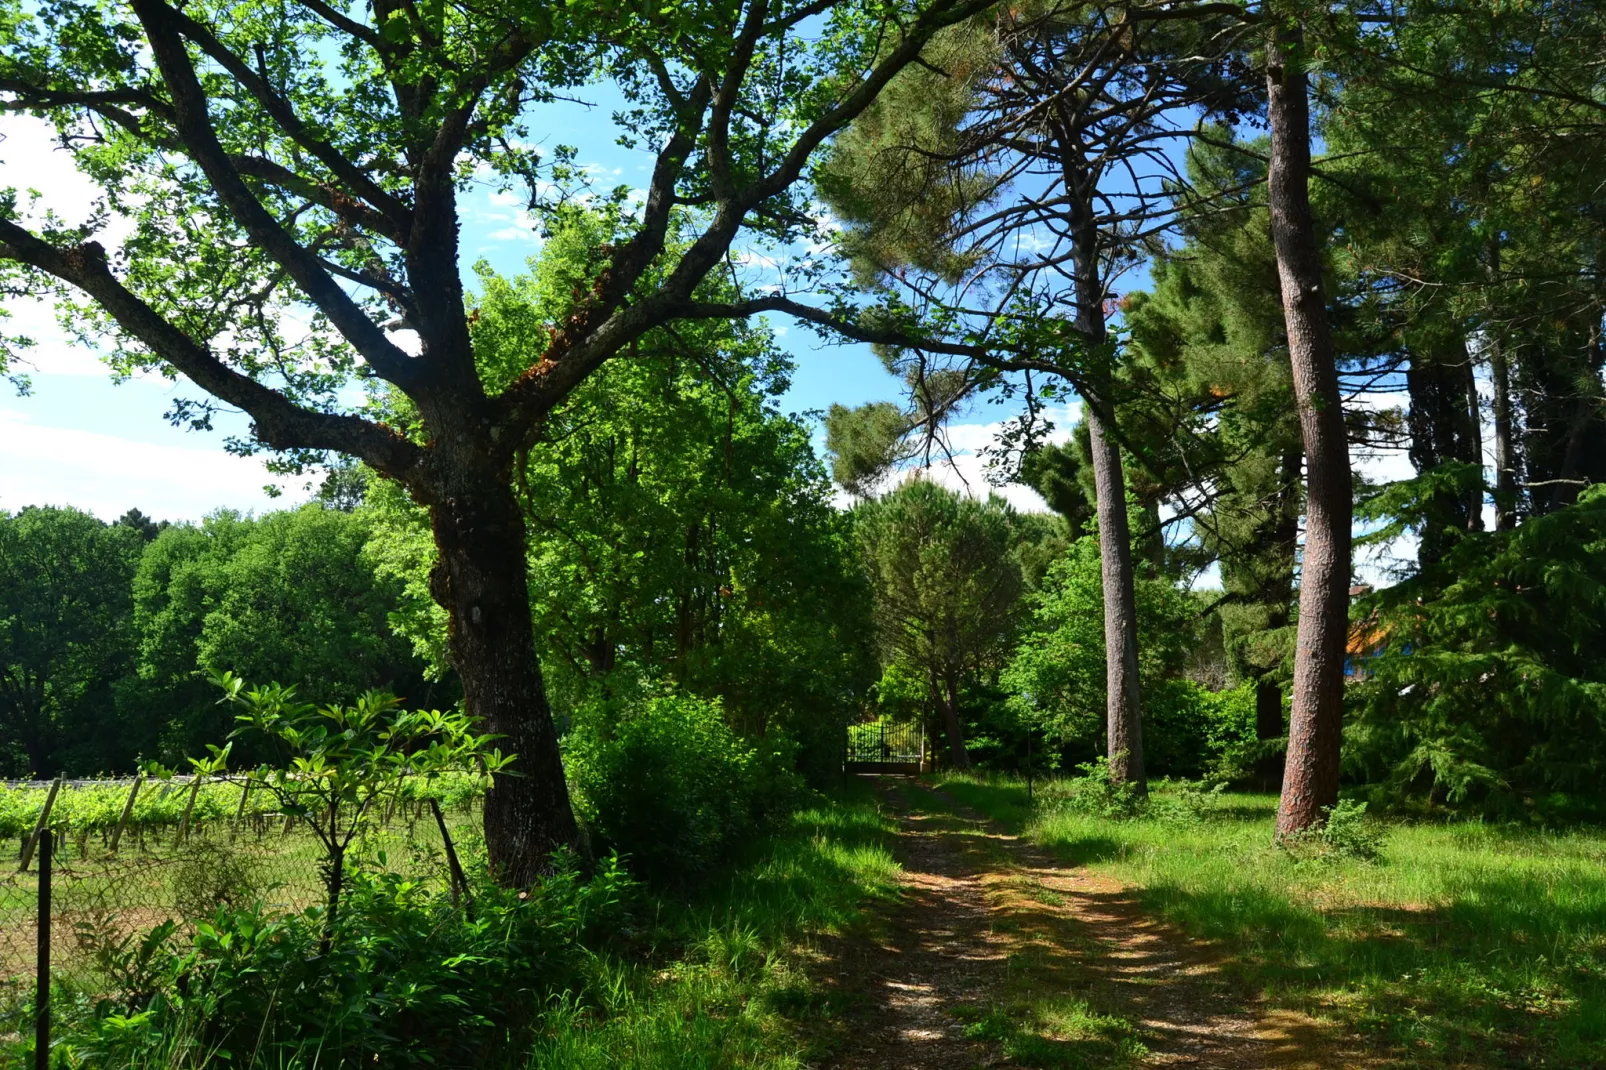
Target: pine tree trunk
(1505,459)
(1310,776)
(1268,726)
(481,581)
(948,706)
(1123,709)
(1505,472)
(1123,713)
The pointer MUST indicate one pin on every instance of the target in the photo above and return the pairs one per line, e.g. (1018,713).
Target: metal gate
(884,747)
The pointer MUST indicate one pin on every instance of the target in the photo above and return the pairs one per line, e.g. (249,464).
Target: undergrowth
(630,977)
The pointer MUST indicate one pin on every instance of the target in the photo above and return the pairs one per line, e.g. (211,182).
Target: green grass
(1465,945)
(732,984)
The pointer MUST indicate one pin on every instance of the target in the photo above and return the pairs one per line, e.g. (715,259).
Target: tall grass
(731,984)
(1462,944)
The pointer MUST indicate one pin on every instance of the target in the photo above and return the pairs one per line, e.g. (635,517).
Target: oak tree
(275,158)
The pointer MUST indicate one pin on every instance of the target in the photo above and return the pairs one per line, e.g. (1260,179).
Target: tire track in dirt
(990,923)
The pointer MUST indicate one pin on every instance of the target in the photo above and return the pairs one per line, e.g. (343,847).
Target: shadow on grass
(1507,969)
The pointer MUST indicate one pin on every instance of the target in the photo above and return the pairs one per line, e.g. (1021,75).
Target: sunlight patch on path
(998,957)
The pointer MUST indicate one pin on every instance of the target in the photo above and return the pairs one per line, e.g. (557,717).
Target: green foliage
(946,583)
(1094,793)
(1344,832)
(290,596)
(666,783)
(891,175)
(559,976)
(1056,676)
(96,808)
(405,978)
(340,762)
(64,636)
(863,444)
(1488,692)
(680,526)
(1210,329)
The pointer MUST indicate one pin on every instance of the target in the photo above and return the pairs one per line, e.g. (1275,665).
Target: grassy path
(999,956)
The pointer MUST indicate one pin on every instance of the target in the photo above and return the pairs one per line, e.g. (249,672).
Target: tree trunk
(1123,713)
(948,706)
(1444,427)
(1505,470)
(1474,438)
(1505,458)
(481,581)
(1122,709)
(1310,777)
(1268,726)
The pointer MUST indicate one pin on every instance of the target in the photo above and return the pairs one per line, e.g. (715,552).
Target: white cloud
(516,233)
(107,475)
(963,466)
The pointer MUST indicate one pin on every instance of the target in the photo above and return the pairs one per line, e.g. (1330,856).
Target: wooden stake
(128,812)
(39,826)
(184,822)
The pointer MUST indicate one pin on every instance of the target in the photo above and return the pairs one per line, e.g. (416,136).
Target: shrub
(408,978)
(1095,794)
(1346,833)
(213,877)
(669,785)
(1487,693)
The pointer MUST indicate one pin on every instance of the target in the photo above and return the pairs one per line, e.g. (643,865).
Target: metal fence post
(41,999)
(459,881)
(847,750)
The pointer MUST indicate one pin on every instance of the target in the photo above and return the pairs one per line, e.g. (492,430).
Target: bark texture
(1123,713)
(481,580)
(948,706)
(1310,777)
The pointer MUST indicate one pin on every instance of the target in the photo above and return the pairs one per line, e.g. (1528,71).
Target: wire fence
(118,868)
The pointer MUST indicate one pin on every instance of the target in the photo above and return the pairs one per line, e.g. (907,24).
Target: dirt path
(1000,957)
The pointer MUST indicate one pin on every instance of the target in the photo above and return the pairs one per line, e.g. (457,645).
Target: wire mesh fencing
(121,869)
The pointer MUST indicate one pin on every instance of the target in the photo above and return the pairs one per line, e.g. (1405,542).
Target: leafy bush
(1094,793)
(1346,833)
(1056,677)
(408,978)
(669,784)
